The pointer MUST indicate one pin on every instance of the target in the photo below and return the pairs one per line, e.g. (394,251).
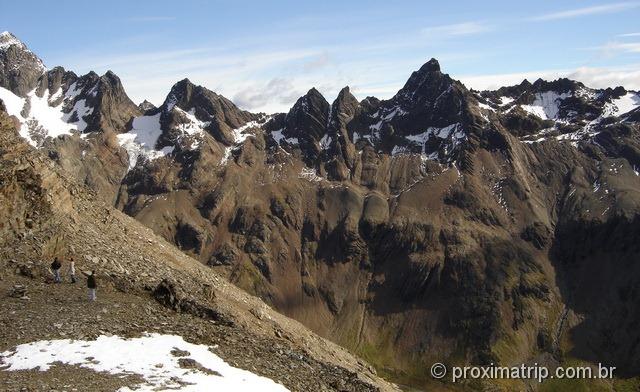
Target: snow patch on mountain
(13,103)
(80,109)
(38,119)
(309,175)
(226,156)
(142,138)
(453,135)
(485,107)
(193,129)
(156,358)
(621,105)
(325,142)
(73,91)
(242,133)
(7,39)
(546,105)
(452,131)
(386,117)
(504,101)
(278,137)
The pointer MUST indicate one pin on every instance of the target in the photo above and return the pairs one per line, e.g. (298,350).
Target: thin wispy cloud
(320,61)
(456,30)
(614,48)
(143,19)
(587,11)
(280,91)
(628,35)
(624,47)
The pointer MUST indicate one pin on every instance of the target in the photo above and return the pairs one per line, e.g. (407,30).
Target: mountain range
(441,225)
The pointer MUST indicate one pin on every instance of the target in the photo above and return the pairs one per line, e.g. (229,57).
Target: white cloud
(586,11)
(275,96)
(629,35)
(595,77)
(456,30)
(628,76)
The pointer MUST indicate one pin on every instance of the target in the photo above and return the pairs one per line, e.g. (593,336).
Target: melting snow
(226,156)
(141,139)
(149,356)
(13,102)
(193,128)
(7,39)
(546,105)
(80,109)
(453,132)
(241,134)
(73,91)
(309,174)
(278,136)
(485,106)
(41,120)
(505,100)
(622,105)
(325,142)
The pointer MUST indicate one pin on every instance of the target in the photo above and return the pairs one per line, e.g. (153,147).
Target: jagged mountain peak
(345,93)
(560,85)
(312,102)
(8,39)
(146,106)
(20,68)
(313,94)
(186,95)
(110,77)
(430,66)
(427,85)
(345,103)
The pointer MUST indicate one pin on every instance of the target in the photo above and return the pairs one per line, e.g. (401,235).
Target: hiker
(72,270)
(55,268)
(91,285)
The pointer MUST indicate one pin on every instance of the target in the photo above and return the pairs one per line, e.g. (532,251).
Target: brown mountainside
(443,224)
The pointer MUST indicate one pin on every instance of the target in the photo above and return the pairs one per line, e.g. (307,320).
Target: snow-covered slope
(165,362)
(39,119)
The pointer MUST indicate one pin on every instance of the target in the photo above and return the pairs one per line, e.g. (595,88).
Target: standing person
(72,269)
(91,285)
(55,268)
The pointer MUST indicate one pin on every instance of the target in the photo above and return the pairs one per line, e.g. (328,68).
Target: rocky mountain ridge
(441,224)
(145,285)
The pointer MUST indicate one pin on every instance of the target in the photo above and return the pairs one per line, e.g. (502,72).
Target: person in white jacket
(72,270)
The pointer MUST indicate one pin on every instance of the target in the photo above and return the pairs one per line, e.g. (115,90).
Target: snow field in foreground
(155,357)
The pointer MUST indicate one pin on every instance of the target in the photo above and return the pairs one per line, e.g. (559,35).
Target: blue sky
(264,54)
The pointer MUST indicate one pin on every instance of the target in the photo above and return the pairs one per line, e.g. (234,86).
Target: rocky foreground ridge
(145,285)
(442,224)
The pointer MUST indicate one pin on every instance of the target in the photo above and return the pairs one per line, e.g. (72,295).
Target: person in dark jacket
(55,268)
(91,285)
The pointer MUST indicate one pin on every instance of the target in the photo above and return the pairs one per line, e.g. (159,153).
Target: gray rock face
(112,107)
(20,69)
(221,114)
(146,106)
